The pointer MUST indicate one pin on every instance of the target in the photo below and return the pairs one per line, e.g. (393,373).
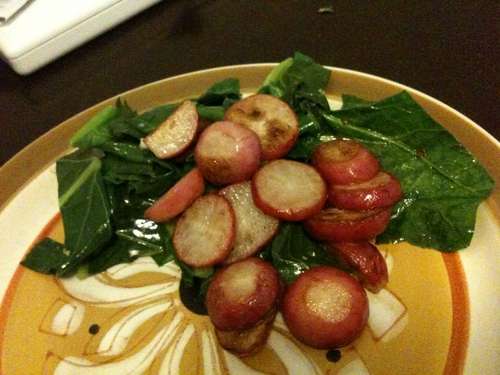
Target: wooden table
(447,49)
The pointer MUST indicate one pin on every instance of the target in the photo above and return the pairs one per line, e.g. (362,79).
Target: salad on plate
(272,205)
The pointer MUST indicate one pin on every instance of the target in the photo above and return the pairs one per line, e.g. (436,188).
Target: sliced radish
(249,341)
(336,225)
(366,261)
(288,190)
(254,229)
(241,294)
(325,308)
(271,119)
(345,162)
(175,134)
(227,153)
(383,190)
(204,234)
(177,198)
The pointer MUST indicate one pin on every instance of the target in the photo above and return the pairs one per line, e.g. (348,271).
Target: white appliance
(43,30)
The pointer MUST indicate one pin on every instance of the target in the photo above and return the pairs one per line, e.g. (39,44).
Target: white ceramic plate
(437,314)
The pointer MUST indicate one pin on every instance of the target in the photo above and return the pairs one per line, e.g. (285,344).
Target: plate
(434,317)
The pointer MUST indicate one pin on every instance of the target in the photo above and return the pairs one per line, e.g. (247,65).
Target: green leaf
(442,183)
(214,113)
(141,125)
(47,256)
(300,82)
(97,130)
(145,238)
(128,151)
(292,252)
(84,206)
(219,93)
(351,101)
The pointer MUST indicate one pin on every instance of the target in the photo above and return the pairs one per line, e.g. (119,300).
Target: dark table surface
(447,49)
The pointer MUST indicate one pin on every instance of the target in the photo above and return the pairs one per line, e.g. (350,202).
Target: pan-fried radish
(177,198)
(241,294)
(204,234)
(249,341)
(325,308)
(383,190)
(254,229)
(337,225)
(274,122)
(288,190)
(227,153)
(175,134)
(366,261)
(345,162)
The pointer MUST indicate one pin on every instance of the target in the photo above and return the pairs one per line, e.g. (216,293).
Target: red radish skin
(366,261)
(345,162)
(383,190)
(337,225)
(175,134)
(325,308)
(227,153)
(254,229)
(177,198)
(204,234)
(246,342)
(241,294)
(274,122)
(288,190)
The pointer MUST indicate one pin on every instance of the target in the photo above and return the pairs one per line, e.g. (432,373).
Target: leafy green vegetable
(105,186)
(97,130)
(442,183)
(141,125)
(213,103)
(212,113)
(292,252)
(222,93)
(351,101)
(47,256)
(128,151)
(84,206)
(145,238)
(301,82)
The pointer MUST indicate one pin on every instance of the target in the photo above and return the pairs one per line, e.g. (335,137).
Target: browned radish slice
(337,225)
(254,229)
(176,133)
(365,259)
(249,341)
(178,198)
(288,190)
(383,190)
(204,234)
(325,308)
(271,119)
(227,153)
(344,162)
(241,294)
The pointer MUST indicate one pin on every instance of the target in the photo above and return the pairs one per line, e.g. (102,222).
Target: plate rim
(6,194)
(79,118)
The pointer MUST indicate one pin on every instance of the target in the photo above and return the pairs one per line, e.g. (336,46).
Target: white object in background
(46,29)
(10,7)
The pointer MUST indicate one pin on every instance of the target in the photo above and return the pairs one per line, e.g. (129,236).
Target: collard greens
(106,185)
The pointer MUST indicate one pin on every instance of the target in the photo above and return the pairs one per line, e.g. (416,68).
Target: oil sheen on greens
(109,181)
(105,186)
